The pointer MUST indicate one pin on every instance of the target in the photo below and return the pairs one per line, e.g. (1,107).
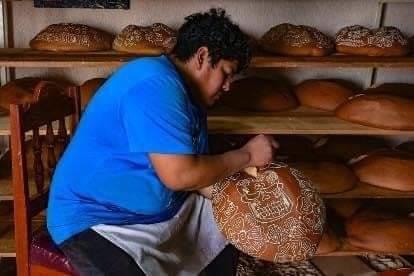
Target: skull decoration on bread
(276,216)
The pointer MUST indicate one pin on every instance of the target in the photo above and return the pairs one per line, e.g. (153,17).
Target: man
(120,199)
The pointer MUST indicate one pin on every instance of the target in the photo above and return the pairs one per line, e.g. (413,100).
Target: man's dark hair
(215,31)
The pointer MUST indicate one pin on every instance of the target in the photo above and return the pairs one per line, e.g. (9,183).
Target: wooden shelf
(299,121)
(348,250)
(24,57)
(293,122)
(363,190)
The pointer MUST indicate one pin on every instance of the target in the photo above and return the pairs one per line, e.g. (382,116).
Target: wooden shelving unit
(299,121)
(23,57)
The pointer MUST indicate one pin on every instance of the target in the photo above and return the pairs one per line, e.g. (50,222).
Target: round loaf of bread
(405,90)
(296,40)
(381,231)
(277,216)
(71,37)
(359,40)
(329,242)
(328,177)
(388,169)
(156,39)
(345,148)
(89,88)
(17,91)
(257,94)
(21,91)
(322,94)
(381,111)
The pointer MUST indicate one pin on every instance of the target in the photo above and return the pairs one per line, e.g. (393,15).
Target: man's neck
(186,71)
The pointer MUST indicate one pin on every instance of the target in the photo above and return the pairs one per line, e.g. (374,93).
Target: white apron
(183,245)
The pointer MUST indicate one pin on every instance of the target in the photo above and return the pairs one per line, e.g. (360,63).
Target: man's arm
(194,172)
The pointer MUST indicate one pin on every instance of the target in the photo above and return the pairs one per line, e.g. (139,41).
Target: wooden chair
(51,103)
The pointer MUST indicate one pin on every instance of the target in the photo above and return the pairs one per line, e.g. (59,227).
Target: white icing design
(295,250)
(248,237)
(309,203)
(265,196)
(291,229)
(225,207)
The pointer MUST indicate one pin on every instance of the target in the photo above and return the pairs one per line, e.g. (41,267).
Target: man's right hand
(260,149)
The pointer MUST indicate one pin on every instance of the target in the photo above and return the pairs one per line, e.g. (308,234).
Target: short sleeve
(156,117)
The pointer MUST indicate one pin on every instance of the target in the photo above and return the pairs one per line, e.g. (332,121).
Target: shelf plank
(280,123)
(299,121)
(261,60)
(349,250)
(25,57)
(364,190)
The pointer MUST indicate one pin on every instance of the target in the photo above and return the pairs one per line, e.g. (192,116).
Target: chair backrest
(50,106)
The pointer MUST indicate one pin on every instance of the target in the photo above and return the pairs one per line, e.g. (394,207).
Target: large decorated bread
(146,40)
(384,41)
(70,37)
(296,40)
(276,216)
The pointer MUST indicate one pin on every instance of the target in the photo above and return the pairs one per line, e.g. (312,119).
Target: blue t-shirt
(105,175)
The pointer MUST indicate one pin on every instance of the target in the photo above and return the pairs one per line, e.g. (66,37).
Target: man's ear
(202,57)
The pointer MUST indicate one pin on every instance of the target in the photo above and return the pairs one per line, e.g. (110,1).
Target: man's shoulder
(146,66)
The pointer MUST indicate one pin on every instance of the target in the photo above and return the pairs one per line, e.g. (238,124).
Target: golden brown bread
(322,94)
(344,148)
(20,91)
(384,41)
(388,169)
(329,242)
(381,231)
(278,216)
(296,40)
(145,40)
(328,177)
(71,38)
(16,91)
(89,88)
(257,94)
(381,111)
